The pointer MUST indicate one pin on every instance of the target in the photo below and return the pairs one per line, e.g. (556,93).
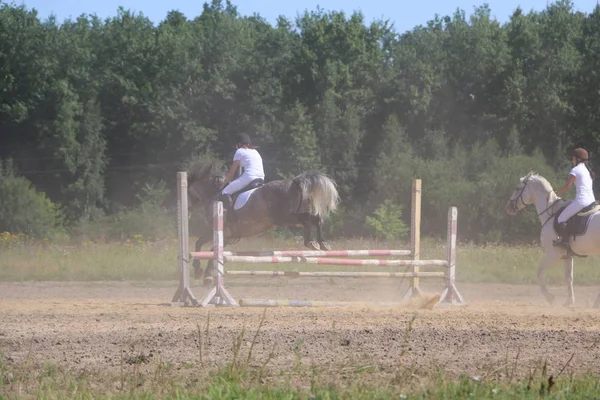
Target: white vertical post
(415,238)
(218,295)
(183,293)
(451,295)
(218,241)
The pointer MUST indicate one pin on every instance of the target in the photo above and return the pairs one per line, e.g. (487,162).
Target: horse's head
(204,183)
(523,194)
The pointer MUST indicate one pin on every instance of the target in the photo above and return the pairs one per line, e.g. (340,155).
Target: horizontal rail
(207,255)
(332,261)
(310,303)
(342,274)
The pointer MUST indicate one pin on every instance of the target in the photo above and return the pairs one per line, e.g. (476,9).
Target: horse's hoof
(208,281)
(325,246)
(550,299)
(569,303)
(312,245)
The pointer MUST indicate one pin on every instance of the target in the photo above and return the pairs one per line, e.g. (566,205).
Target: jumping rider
(583,177)
(247,157)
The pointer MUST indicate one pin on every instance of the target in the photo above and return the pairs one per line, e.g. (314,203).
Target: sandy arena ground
(92,327)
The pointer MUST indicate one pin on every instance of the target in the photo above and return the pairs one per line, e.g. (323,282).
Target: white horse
(535,189)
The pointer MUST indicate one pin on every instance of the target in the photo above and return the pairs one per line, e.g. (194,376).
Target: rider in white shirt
(583,177)
(247,157)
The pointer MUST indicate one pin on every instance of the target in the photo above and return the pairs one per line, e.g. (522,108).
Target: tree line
(97,116)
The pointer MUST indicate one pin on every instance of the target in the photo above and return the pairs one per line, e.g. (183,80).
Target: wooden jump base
(218,295)
(310,303)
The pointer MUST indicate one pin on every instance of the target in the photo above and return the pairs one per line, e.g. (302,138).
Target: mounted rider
(248,158)
(583,177)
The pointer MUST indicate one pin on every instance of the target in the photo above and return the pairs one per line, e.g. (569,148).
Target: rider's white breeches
(573,208)
(239,183)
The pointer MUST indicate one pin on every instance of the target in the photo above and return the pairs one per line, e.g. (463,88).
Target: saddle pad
(242,199)
(578,225)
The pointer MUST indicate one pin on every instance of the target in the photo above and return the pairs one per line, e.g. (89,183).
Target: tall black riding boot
(563,239)
(227,205)
(561,229)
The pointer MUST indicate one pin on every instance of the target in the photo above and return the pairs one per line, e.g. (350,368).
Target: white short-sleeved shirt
(583,184)
(251,161)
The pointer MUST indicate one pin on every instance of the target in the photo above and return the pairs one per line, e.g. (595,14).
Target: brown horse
(276,203)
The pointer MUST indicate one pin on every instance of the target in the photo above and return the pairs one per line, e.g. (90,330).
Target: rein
(200,193)
(551,215)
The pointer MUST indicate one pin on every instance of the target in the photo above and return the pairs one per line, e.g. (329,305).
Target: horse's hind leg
(306,220)
(318,222)
(569,279)
(209,273)
(546,262)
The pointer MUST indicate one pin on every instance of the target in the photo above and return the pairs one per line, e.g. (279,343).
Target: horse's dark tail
(317,187)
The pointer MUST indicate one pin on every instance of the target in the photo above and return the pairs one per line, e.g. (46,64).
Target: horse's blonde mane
(534,176)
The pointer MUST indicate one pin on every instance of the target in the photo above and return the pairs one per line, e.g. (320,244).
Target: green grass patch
(241,381)
(139,259)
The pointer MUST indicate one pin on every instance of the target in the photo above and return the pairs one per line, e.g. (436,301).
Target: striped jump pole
(339,274)
(449,297)
(209,255)
(334,261)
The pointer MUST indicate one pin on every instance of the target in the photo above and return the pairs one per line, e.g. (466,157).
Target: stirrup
(565,245)
(569,254)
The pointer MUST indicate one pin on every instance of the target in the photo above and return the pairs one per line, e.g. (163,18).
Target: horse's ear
(529,175)
(205,171)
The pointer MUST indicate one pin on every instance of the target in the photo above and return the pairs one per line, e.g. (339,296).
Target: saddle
(252,185)
(577,225)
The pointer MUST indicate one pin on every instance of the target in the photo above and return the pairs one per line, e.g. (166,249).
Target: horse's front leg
(569,279)
(318,223)
(204,237)
(547,261)
(210,274)
(597,302)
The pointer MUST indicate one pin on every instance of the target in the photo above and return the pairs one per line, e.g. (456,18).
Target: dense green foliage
(92,111)
(23,209)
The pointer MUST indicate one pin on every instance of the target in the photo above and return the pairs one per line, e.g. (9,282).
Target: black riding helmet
(243,139)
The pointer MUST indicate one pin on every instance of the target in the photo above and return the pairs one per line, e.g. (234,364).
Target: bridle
(217,180)
(513,204)
(201,194)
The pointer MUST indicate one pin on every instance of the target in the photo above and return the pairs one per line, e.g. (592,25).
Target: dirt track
(86,327)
